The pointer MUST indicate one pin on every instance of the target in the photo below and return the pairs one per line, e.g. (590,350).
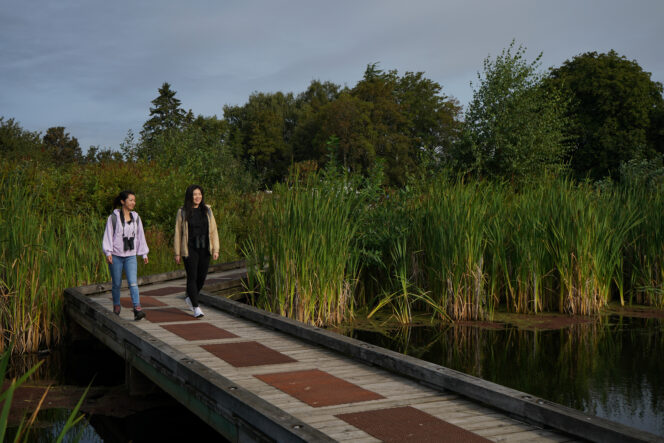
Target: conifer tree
(165,114)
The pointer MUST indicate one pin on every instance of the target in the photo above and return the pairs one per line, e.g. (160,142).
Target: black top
(198,228)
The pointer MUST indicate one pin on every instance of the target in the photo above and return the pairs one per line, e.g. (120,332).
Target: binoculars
(128,243)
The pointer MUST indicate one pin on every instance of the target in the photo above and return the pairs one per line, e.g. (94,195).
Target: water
(167,423)
(111,415)
(612,367)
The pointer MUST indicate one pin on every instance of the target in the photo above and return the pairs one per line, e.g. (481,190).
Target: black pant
(196,266)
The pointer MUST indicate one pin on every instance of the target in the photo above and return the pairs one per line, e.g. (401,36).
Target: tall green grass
(406,295)
(302,260)
(459,250)
(39,258)
(452,233)
(585,233)
(322,250)
(644,260)
(41,254)
(554,246)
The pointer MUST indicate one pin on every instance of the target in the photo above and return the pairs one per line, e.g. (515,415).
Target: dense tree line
(397,120)
(615,112)
(591,116)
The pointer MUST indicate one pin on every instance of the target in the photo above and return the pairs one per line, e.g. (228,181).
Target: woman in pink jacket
(124,239)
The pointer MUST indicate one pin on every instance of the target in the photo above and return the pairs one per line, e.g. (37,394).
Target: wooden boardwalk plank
(397,390)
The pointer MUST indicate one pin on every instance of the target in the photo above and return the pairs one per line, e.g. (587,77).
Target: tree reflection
(611,367)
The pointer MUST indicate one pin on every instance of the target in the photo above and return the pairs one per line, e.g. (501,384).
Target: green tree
(318,94)
(346,121)
(396,120)
(260,132)
(16,142)
(212,126)
(656,131)
(514,126)
(616,111)
(308,105)
(129,147)
(96,154)
(433,118)
(194,146)
(200,152)
(389,125)
(61,147)
(166,115)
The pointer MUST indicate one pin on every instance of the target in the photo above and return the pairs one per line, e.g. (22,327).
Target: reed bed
(41,254)
(39,258)
(565,248)
(331,246)
(459,250)
(644,258)
(302,261)
(556,246)
(452,233)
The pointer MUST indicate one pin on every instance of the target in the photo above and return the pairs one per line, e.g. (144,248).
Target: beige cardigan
(181,241)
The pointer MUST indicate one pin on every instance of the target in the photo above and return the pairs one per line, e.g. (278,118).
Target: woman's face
(198,197)
(129,203)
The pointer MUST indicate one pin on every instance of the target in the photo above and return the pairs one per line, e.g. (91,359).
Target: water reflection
(612,367)
(111,414)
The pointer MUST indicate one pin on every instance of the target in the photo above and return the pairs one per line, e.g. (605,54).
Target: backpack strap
(114,220)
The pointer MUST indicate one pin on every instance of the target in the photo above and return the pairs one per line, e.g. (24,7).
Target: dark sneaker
(116,309)
(138,315)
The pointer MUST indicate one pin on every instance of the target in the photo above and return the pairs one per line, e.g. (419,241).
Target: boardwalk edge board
(516,404)
(233,411)
(99,288)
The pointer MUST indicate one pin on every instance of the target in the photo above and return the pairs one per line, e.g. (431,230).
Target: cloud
(94,67)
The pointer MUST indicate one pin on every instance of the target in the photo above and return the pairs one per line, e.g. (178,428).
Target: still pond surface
(612,367)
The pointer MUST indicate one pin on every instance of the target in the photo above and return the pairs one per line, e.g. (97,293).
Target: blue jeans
(130,268)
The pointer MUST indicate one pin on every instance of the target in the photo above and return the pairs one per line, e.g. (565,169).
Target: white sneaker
(188,302)
(197,312)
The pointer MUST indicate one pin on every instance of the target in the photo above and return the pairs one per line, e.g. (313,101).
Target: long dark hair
(189,200)
(122,196)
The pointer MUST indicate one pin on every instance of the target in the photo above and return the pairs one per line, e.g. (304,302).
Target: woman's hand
(177,259)
(109,259)
(215,256)
(145,260)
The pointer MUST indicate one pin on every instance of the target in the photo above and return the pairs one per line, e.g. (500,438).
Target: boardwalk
(256,376)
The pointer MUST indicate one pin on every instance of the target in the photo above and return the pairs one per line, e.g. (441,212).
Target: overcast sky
(94,66)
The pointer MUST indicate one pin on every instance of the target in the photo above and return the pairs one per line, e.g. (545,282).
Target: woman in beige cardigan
(196,239)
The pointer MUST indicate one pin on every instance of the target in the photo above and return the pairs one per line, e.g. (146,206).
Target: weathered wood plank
(231,410)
